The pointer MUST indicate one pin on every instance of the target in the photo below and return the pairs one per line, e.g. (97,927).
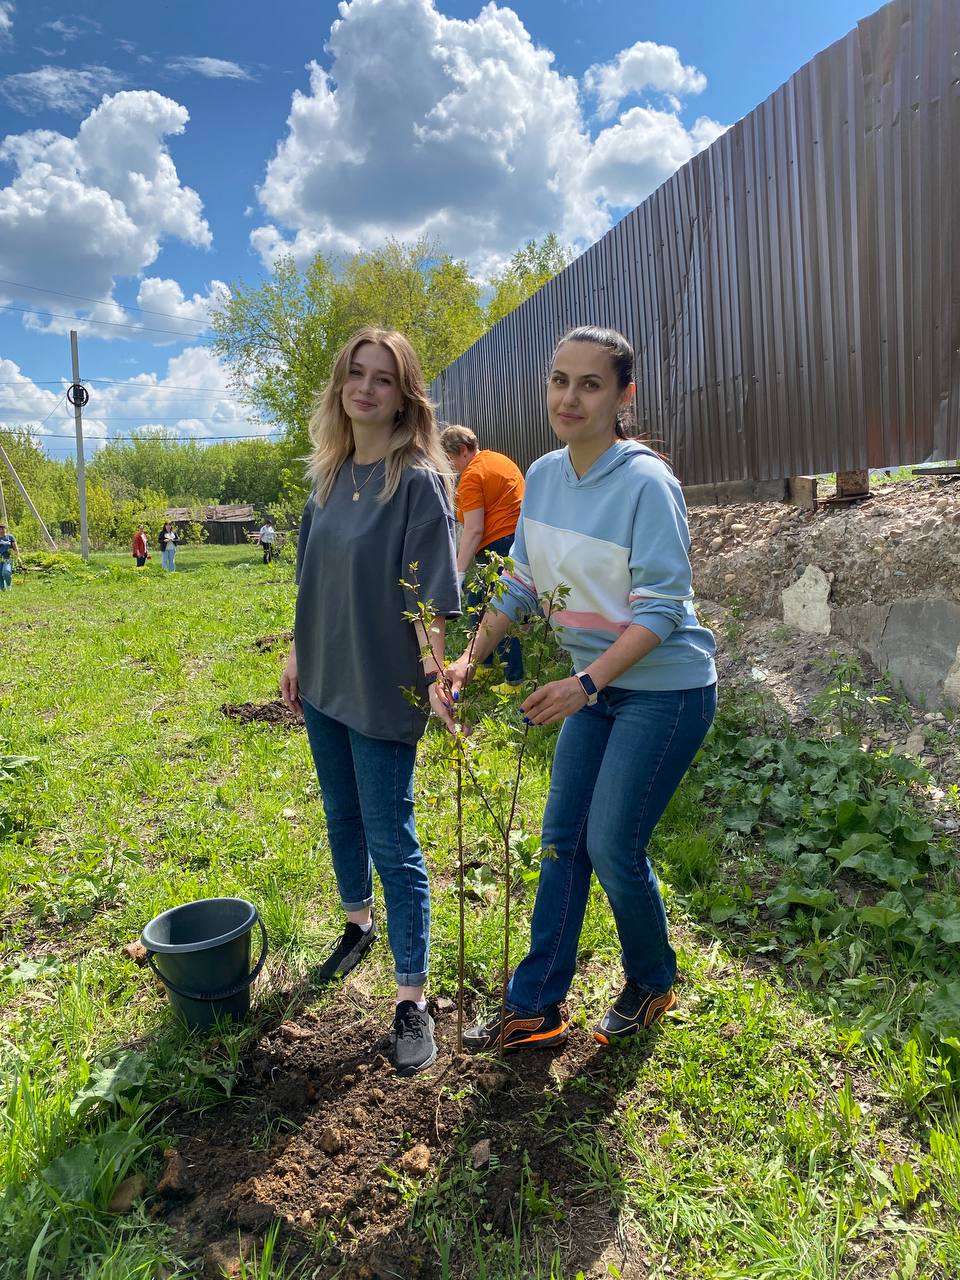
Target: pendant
(356,496)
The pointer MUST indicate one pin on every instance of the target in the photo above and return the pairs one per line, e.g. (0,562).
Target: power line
(112,324)
(132,382)
(93,416)
(162,392)
(102,302)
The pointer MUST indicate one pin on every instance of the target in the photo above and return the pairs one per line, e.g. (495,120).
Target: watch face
(589,688)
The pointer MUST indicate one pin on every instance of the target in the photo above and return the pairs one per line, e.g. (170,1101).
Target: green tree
(529,270)
(52,486)
(280,339)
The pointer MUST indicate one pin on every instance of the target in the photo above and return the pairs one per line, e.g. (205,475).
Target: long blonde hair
(415,441)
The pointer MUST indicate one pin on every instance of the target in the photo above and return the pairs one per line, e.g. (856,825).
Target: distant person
(168,545)
(379,502)
(8,549)
(268,537)
(488,506)
(139,549)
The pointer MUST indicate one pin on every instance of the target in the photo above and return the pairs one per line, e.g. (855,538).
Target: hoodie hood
(612,459)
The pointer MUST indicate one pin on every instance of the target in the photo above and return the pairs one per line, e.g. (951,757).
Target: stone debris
(330,1141)
(137,952)
(175,1177)
(130,1189)
(416,1161)
(480,1153)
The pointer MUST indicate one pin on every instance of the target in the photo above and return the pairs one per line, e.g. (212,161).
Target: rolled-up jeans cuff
(410,979)
(358,906)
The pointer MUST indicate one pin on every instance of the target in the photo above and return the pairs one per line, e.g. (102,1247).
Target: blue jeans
(166,558)
(508,650)
(367,789)
(616,766)
(6,575)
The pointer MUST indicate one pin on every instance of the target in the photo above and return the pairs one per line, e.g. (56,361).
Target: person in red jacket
(139,549)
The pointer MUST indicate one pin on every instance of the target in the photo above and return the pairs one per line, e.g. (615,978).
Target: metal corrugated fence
(793,292)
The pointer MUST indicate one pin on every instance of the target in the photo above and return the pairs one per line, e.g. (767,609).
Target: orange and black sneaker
(543,1030)
(633,1011)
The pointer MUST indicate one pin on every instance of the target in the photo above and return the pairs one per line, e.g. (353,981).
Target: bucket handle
(215,995)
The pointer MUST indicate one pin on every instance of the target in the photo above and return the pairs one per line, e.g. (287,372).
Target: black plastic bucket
(202,954)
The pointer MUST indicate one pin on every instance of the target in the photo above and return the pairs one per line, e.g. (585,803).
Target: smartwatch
(430,678)
(588,687)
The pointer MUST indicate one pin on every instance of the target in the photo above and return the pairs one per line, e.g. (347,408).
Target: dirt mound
(269,712)
(267,643)
(327,1134)
(902,541)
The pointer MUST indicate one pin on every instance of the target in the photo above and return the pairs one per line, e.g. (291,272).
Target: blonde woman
(380,502)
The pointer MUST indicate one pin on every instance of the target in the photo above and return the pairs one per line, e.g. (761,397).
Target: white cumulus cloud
(212,68)
(6,21)
(643,66)
(97,206)
(165,298)
(463,130)
(633,157)
(427,125)
(57,89)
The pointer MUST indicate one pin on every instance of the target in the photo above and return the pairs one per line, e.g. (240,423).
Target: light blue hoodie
(617,537)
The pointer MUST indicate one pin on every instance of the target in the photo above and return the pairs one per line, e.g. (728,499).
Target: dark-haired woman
(603,515)
(168,545)
(380,502)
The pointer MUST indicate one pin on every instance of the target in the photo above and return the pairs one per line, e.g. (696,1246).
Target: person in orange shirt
(488,506)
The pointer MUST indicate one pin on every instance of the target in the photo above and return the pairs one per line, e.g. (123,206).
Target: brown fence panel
(793,292)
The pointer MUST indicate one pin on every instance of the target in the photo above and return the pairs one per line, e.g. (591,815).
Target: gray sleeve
(429,543)
(302,537)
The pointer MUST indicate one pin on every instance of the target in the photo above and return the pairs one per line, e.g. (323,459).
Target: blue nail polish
(456,695)
(527,720)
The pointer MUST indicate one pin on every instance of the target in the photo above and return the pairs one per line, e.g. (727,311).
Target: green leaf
(884,913)
(742,819)
(74,1174)
(110,1083)
(782,844)
(941,915)
(883,866)
(798,895)
(30,970)
(941,1011)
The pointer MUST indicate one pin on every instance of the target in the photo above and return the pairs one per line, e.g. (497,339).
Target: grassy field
(798,1117)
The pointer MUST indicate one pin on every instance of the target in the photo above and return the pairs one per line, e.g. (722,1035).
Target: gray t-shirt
(355,650)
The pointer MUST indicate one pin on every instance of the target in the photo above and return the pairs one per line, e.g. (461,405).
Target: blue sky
(150,154)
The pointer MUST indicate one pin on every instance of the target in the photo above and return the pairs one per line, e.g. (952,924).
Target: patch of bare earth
(268,712)
(329,1141)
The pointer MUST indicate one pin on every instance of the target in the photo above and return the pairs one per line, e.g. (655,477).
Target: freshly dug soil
(330,1141)
(269,712)
(266,643)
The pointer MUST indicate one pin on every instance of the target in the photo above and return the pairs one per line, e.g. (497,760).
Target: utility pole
(26,497)
(78,397)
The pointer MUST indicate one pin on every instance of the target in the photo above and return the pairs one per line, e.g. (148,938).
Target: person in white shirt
(268,536)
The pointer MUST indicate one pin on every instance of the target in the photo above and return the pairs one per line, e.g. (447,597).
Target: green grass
(799,1117)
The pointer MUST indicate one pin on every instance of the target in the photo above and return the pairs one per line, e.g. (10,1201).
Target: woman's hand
(290,684)
(459,674)
(554,701)
(439,693)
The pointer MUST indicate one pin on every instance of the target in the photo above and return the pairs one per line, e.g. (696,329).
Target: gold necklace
(356,487)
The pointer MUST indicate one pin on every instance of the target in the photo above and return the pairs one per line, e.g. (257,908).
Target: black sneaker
(633,1011)
(543,1030)
(412,1042)
(348,952)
